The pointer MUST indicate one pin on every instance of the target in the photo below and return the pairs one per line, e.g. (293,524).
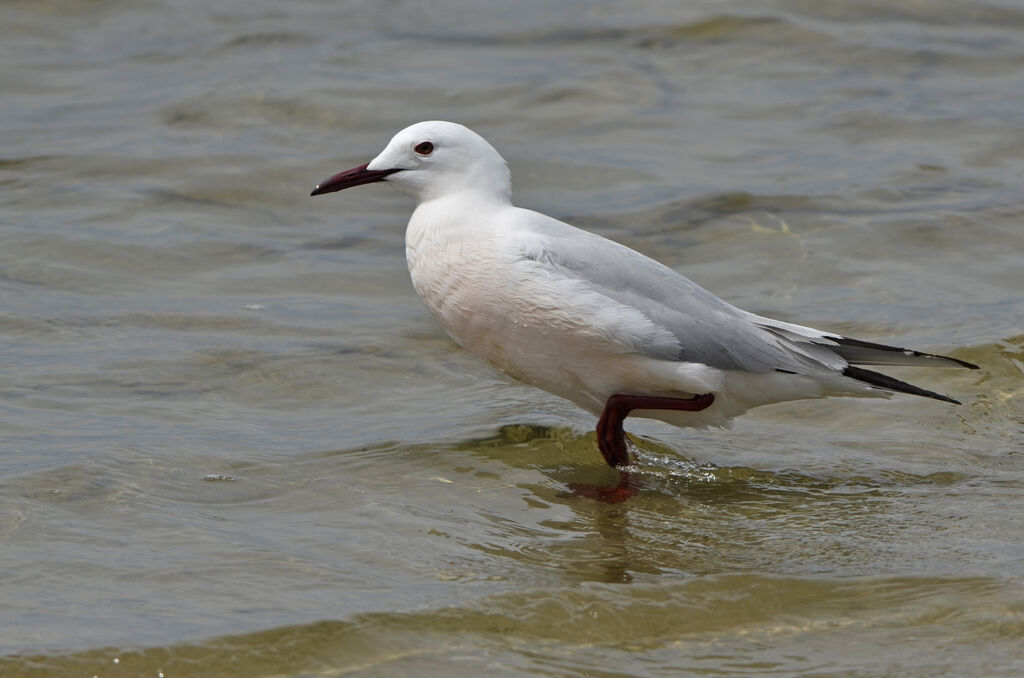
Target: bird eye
(424,148)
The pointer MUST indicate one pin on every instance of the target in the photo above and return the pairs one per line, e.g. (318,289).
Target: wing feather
(682,321)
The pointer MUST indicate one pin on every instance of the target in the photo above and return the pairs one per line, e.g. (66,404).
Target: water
(234,443)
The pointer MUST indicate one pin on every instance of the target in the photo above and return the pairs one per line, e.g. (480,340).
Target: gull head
(430,160)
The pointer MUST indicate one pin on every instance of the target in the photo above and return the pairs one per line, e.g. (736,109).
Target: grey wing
(708,330)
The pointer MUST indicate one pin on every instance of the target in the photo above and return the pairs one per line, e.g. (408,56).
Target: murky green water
(233,443)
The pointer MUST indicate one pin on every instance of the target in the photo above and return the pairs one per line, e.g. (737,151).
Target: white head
(429,160)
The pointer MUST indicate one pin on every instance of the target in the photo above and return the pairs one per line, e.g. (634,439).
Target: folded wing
(705,329)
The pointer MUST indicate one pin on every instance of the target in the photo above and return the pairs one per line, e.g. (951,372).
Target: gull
(591,320)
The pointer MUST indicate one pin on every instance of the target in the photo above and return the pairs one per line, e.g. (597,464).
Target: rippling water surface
(233,442)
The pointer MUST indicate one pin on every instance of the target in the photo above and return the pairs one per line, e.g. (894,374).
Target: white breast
(456,270)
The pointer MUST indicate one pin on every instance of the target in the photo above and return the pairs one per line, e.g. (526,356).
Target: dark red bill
(357,176)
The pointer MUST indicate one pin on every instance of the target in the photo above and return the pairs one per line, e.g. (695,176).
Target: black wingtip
(880,380)
(872,346)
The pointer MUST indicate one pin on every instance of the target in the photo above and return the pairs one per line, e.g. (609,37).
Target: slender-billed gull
(593,321)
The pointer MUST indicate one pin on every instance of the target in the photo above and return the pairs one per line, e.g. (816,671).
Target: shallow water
(233,442)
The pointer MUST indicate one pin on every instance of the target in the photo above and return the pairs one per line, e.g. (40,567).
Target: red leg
(611,438)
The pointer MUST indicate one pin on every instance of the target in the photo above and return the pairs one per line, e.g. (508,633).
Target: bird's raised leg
(611,438)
